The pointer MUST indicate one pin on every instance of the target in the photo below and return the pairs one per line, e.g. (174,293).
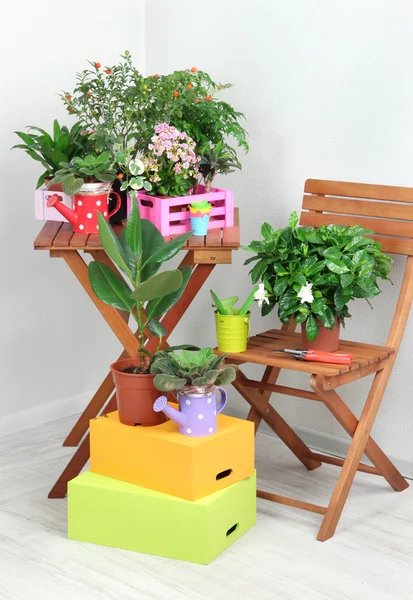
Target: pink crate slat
(163,213)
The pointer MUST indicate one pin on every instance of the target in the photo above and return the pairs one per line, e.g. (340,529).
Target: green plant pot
(232,332)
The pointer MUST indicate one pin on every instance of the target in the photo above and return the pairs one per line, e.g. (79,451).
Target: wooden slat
(315,508)
(79,240)
(381,226)
(231,235)
(360,207)
(65,234)
(47,234)
(339,462)
(391,245)
(213,238)
(94,241)
(359,190)
(196,241)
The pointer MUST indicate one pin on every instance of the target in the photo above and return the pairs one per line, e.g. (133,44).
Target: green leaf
(208,379)
(112,246)
(152,241)
(169,250)
(56,130)
(158,285)
(267,231)
(320,308)
(71,185)
(168,383)
(248,302)
(259,269)
(341,298)
(336,266)
(159,306)
(228,303)
(227,375)
(136,167)
(221,309)
(129,256)
(133,230)
(109,287)
(156,328)
(346,279)
(311,328)
(293,220)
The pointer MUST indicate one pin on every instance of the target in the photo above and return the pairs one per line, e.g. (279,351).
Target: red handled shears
(320,356)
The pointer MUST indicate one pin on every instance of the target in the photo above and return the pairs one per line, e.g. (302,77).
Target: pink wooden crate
(171,215)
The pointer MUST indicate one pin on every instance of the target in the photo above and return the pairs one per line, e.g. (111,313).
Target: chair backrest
(386,210)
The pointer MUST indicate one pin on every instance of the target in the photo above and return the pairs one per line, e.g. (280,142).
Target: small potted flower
(195,376)
(200,213)
(233,324)
(313,273)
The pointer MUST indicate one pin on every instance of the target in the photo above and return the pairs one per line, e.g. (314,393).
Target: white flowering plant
(313,273)
(226,306)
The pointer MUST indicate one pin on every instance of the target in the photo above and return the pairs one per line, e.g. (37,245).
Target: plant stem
(141,332)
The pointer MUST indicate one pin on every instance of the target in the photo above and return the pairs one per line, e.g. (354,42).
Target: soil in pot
(135,394)
(327,339)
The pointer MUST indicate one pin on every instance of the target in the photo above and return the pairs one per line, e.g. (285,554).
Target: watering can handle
(118,204)
(223,399)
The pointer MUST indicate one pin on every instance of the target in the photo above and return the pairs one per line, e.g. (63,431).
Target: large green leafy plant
(53,149)
(313,273)
(138,253)
(190,371)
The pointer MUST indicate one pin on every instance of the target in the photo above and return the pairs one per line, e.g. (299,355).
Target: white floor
(370,557)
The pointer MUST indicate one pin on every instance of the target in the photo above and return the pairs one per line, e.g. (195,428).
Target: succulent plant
(190,372)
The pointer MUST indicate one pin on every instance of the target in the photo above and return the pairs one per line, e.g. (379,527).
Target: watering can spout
(56,201)
(161,404)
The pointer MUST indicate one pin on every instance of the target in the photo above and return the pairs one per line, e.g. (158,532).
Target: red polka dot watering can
(91,199)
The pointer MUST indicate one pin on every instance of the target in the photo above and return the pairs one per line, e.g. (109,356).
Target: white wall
(326,86)
(54,345)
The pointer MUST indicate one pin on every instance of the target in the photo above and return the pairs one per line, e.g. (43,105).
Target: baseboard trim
(324,442)
(38,415)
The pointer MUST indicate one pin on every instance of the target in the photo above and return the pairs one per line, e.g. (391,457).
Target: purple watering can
(197,414)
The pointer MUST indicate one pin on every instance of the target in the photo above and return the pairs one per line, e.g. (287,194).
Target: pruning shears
(319,356)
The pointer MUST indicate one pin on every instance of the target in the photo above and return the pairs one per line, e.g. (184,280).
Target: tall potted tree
(147,294)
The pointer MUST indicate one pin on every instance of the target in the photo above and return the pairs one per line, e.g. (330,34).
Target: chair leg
(277,423)
(270,376)
(349,422)
(353,458)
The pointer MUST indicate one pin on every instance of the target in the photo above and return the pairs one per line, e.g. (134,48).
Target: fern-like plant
(190,372)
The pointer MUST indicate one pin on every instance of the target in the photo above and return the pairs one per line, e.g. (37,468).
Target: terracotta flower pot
(135,395)
(327,339)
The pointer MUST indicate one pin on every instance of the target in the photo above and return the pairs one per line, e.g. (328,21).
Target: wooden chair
(388,211)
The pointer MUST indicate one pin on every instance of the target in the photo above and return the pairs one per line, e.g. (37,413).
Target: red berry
(197,100)
(194,70)
(208,97)
(108,71)
(176,94)
(88,93)
(68,97)
(97,65)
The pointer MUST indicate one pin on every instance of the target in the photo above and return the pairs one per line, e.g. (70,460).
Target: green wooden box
(113,513)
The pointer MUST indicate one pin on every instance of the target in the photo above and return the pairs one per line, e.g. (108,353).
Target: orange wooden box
(159,458)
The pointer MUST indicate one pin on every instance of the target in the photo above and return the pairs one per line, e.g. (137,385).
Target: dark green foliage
(340,262)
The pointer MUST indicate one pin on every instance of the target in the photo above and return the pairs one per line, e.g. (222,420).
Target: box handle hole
(146,203)
(223,474)
(232,529)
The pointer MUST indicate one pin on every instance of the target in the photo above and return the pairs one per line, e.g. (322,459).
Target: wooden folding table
(201,253)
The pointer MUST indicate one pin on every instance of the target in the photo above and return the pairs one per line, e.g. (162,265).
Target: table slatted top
(260,351)
(55,235)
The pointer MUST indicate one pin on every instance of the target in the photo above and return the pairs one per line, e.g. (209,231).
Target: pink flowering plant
(171,164)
